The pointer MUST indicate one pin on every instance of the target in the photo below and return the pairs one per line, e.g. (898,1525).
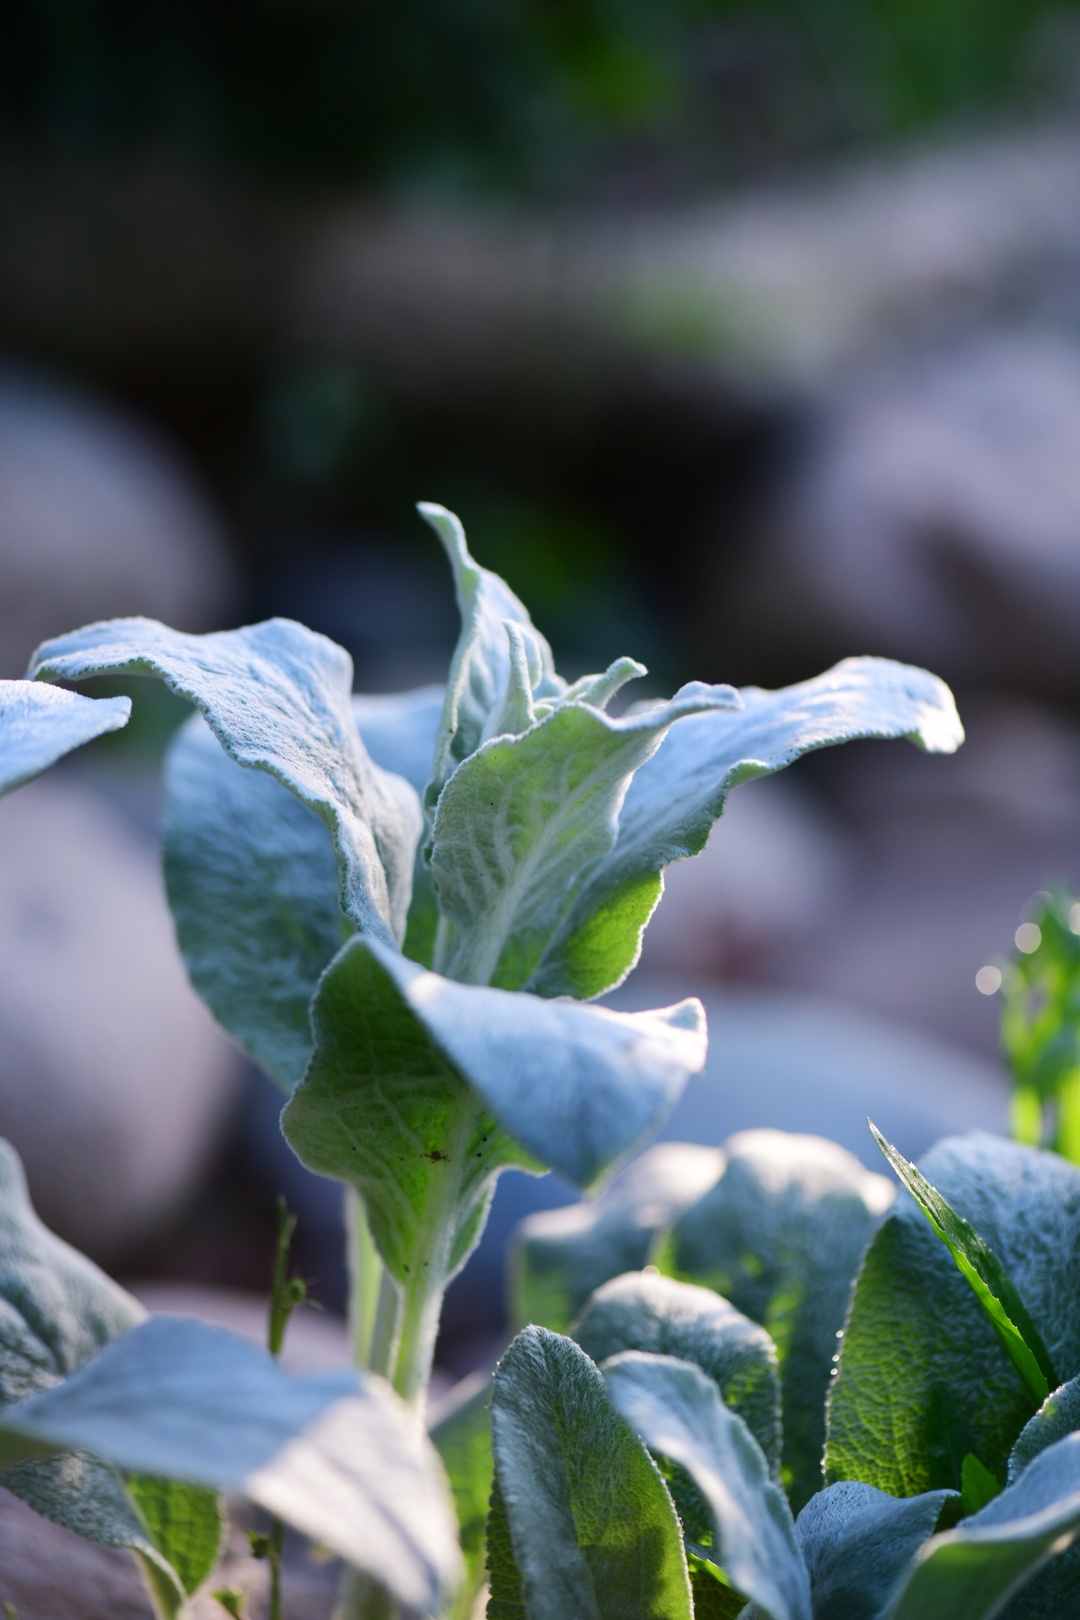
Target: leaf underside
(560,1256)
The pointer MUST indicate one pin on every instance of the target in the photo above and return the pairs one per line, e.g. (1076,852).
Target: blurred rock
(935,514)
(820,1065)
(114,1083)
(49,1573)
(771,874)
(796,282)
(786,281)
(947,852)
(98,517)
(315,1342)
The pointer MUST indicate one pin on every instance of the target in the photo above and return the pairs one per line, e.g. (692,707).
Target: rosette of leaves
(951,1487)
(398,905)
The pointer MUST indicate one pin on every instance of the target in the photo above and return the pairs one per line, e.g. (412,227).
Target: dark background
(742,337)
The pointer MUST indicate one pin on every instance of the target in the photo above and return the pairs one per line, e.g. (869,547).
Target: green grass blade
(987,1277)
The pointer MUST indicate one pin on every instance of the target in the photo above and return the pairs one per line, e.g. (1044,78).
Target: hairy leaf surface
(676,797)
(781,1235)
(40,724)
(526,818)
(278,699)
(923,1379)
(335,1454)
(1058,1416)
(583,1525)
(857,1542)
(971,1572)
(560,1256)
(677,1411)
(644,1311)
(252,882)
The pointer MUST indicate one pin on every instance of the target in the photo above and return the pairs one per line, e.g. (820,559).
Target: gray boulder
(114,1083)
(98,517)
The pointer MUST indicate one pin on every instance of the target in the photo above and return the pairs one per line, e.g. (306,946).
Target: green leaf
(40,724)
(923,1379)
(714,1599)
(676,797)
(505,1597)
(278,699)
(482,668)
(988,1279)
(336,1455)
(781,1235)
(1058,1416)
(185,1523)
(462,1437)
(677,1411)
(252,883)
(977,1485)
(857,1542)
(383,1109)
(559,1256)
(523,821)
(644,1311)
(971,1572)
(582,1524)
(57,1311)
(576,1087)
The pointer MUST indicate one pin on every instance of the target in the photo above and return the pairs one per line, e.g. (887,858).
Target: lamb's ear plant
(400,908)
(949,1488)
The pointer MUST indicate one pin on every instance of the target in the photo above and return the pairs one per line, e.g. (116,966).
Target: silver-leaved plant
(403,909)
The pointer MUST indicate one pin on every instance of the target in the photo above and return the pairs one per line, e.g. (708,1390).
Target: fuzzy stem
(366,1274)
(421,1310)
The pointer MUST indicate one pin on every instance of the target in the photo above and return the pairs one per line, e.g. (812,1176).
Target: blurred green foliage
(534,96)
(1040,1024)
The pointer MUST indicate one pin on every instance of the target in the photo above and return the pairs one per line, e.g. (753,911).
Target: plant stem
(366,1274)
(384,1336)
(421,1310)
(286,1293)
